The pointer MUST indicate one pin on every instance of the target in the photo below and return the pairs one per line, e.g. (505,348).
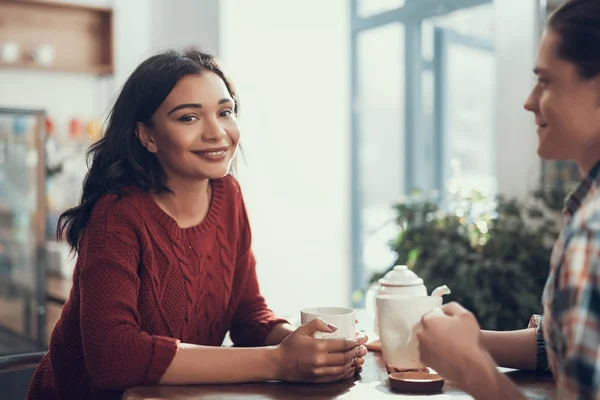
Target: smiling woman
(165,266)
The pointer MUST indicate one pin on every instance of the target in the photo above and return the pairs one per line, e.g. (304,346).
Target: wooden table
(371,385)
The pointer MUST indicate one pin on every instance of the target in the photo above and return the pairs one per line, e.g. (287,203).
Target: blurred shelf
(80,37)
(100,70)
(59,4)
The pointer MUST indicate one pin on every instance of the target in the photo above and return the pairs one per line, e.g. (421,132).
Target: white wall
(181,23)
(517,164)
(291,68)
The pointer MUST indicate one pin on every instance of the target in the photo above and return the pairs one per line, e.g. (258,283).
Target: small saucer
(392,370)
(416,382)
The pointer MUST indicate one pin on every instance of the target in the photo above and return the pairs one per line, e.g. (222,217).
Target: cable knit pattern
(142,284)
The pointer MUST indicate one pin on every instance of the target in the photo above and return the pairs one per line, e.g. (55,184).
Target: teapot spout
(441,290)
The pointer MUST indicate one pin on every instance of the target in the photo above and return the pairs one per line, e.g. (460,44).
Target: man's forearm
(512,349)
(487,383)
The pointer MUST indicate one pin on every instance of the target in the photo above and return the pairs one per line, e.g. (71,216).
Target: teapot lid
(400,275)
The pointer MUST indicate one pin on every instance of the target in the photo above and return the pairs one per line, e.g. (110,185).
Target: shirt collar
(587,185)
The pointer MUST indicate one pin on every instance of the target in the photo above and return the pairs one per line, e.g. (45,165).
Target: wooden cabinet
(57,36)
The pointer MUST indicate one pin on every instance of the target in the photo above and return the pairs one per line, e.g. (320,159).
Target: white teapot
(399,281)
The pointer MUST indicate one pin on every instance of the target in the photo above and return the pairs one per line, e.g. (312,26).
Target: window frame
(411,15)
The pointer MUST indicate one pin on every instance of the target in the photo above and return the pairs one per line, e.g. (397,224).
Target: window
(381,123)
(372,7)
(423,88)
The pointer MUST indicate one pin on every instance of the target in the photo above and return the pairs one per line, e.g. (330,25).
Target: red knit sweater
(141,284)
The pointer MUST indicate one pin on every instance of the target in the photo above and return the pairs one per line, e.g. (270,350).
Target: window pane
(466,66)
(473,21)
(427,99)
(470,118)
(366,8)
(380,110)
(427,29)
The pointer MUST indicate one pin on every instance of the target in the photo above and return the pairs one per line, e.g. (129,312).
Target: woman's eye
(226,113)
(188,118)
(542,82)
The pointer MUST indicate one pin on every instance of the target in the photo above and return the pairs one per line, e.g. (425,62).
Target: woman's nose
(213,131)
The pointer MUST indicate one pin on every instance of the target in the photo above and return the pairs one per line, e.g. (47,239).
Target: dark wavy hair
(118,159)
(577,23)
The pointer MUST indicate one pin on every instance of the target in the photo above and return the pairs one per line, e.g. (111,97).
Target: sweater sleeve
(253,320)
(118,354)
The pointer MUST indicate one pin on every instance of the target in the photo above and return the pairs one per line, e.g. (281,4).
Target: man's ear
(144,135)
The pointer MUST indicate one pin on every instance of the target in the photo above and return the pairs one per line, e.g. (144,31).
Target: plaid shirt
(571,299)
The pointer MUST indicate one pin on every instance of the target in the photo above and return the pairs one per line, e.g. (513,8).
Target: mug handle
(434,311)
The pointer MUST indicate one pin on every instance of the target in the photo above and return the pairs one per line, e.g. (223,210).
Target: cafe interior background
(375,133)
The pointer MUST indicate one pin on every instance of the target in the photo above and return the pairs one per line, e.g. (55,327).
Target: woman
(165,267)
(566,105)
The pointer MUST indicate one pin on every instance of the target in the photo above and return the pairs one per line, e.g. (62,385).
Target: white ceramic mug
(342,318)
(398,318)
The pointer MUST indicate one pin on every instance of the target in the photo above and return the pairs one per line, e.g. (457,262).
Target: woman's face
(566,108)
(194,133)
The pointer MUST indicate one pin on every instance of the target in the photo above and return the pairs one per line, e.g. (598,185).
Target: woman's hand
(450,343)
(305,359)
(361,338)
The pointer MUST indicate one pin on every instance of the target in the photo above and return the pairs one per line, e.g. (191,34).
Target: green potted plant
(494,259)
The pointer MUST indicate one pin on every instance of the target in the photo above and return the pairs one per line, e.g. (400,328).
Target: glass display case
(22,231)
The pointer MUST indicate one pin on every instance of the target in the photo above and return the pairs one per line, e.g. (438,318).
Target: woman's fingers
(361,337)
(336,378)
(337,370)
(333,359)
(337,345)
(334,374)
